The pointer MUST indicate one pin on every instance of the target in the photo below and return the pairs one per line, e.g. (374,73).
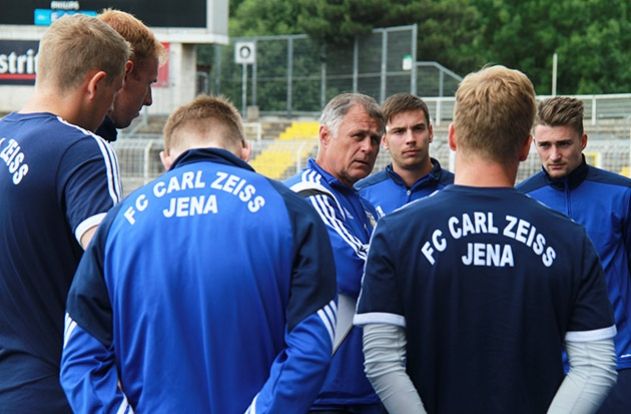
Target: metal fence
(607,122)
(293,75)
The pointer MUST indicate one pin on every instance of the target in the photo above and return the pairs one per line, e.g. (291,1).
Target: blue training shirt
(56,181)
(387,191)
(209,290)
(488,283)
(601,201)
(350,221)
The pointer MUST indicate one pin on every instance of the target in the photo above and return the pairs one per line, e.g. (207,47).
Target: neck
(477,171)
(410,176)
(64,104)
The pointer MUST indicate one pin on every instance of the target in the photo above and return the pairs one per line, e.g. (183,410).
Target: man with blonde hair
(141,71)
(57,181)
(599,200)
(469,296)
(241,315)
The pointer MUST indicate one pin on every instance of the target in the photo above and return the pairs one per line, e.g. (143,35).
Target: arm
(88,370)
(88,374)
(592,373)
(588,341)
(384,352)
(89,185)
(298,372)
(348,249)
(87,236)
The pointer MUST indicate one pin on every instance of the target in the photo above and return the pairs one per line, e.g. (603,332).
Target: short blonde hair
(494,112)
(142,40)
(76,44)
(213,118)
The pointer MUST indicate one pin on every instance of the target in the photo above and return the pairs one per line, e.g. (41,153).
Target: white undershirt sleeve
(592,373)
(384,363)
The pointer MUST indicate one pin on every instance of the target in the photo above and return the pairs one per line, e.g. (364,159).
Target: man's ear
(166,159)
(95,81)
(452,137)
(525,149)
(583,141)
(325,135)
(246,151)
(431,132)
(384,141)
(129,67)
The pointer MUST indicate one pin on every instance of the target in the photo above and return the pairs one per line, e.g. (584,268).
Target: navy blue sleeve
(89,183)
(380,299)
(88,301)
(592,318)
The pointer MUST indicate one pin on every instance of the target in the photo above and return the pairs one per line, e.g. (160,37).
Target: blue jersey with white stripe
(56,181)
(349,220)
(387,191)
(488,284)
(209,290)
(600,201)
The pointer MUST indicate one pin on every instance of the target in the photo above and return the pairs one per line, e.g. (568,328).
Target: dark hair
(404,102)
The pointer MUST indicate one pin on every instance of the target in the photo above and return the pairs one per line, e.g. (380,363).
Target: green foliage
(269,17)
(591,37)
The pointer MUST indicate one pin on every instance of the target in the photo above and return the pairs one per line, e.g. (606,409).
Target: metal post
(147,157)
(593,110)
(254,67)
(441,83)
(322,84)
(290,70)
(217,70)
(355,63)
(554,73)
(438,109)
(244,88)
(413,73)
(384,62)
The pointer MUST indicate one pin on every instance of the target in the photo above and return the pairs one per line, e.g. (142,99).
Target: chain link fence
(293,75)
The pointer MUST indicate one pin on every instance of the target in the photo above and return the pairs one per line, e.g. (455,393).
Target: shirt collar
(573,179)
(432,176)
(217,155)
(328,177)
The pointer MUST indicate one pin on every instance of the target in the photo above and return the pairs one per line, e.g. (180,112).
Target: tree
(591,38)
(447,29)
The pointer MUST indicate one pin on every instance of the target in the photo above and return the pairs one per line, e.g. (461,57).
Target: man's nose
(555,154)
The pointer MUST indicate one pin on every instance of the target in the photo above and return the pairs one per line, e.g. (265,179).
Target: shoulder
(532,183)
(607,177)
(371,180)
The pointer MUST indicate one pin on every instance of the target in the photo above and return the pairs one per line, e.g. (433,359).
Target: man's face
(136,92)
(560,149)
(350,155)
(408,136)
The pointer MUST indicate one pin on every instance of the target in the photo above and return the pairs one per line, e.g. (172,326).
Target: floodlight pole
(554,74)
(244,89)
